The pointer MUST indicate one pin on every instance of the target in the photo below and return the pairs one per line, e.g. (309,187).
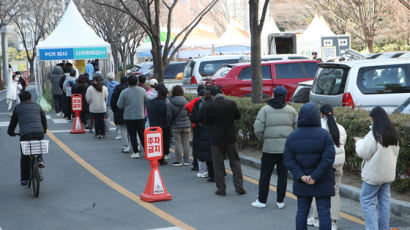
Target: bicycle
(34,149)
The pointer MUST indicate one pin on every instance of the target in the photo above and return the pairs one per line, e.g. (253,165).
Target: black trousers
(195,145)
(268,163)
(84,117)
(210,167)
(58,103)
(25,160)
(135,127)
(218,152)
(99,123)
(68,110)
(166,135)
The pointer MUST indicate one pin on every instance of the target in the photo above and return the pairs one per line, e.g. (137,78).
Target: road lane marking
(4,123)
(48,117)
(60,121)
(150,207)
(68,130)
(290,195)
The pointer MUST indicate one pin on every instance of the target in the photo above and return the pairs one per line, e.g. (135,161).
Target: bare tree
(36,20)
(150,10)
(8,10)
(115,27)
(256,25)
(362,18)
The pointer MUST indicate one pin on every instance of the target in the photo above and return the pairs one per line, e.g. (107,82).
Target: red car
(236,79)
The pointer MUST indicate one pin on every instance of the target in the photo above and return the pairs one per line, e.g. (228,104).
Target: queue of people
(309,144)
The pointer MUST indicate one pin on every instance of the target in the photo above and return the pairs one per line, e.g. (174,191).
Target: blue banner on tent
(73,53)
(56,54)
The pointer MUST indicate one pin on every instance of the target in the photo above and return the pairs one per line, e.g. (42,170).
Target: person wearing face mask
(13,90)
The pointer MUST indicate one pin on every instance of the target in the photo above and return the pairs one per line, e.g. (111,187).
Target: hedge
(356,123)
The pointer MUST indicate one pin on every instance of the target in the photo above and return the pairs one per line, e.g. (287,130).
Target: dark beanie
(280,91)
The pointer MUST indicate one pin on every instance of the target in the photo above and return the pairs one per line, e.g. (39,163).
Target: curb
(397,207)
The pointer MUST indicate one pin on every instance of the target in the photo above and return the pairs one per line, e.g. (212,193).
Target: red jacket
(190,105)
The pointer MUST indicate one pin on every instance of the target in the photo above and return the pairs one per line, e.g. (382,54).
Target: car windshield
(330,81)
(173,69)
(222,71)
(143,67)
(207,68)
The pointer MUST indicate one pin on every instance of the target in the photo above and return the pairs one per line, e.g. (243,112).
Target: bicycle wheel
(36,180)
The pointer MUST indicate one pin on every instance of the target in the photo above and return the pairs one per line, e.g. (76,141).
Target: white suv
(196,69)
(363,84)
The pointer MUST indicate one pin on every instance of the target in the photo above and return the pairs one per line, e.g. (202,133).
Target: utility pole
(4,48)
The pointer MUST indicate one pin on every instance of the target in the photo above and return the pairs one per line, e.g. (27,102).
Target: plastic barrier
(77,107)
(155,189)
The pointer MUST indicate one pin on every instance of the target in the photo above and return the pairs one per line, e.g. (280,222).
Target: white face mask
(16,78)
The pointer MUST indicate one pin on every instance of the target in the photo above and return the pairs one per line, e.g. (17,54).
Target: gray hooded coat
(178,120)
(55,80)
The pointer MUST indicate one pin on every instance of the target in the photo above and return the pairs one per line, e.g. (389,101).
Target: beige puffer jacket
(379,163)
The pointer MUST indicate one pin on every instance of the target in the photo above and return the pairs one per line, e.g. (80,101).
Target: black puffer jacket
(118,113)
(30,118)
(204,142)
(157,113)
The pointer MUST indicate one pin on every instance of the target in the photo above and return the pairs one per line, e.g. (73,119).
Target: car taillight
(348,100)
(193,80)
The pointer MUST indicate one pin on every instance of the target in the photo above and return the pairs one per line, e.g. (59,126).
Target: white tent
(199,42)
(309,41)
(235,40)
(268,27)
(73,39)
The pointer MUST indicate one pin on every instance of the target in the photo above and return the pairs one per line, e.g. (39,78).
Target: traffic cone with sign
(155,189)
(77,106)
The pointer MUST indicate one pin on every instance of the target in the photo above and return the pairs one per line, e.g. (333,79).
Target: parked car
(302,92)
(196,69)
(363,84)
(275,57)
(143,69)
(173,69)
(403,108)
(235,79)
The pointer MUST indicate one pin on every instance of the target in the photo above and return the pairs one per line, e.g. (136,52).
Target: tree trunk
(115,57)
(257,83)
(31,63)
(156,52)
(369,43)
(132,56)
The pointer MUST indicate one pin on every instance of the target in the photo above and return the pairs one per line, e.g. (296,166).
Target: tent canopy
(73,39)
(235,35)
(317,28)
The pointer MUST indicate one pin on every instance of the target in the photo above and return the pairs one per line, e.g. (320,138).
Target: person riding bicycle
(32,126)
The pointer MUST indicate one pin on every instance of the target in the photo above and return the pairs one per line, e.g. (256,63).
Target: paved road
(89,184)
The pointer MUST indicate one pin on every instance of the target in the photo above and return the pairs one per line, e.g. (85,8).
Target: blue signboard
(56,54)
(73,53)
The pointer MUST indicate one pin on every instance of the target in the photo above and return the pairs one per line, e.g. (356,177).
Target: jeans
(268,162)
(218,153)
(58,103)
(124,135)
(99,123)
(134,127)
(372,196)
(181,138)
(323,207)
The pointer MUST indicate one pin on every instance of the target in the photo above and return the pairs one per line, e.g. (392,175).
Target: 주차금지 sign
(73,53)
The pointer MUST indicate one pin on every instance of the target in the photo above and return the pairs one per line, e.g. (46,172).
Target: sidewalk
(397,207)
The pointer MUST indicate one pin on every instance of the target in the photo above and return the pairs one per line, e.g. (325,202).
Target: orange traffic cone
(77,126)
(155,189)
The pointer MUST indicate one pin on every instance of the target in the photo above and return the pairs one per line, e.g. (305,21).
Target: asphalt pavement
(89,184)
